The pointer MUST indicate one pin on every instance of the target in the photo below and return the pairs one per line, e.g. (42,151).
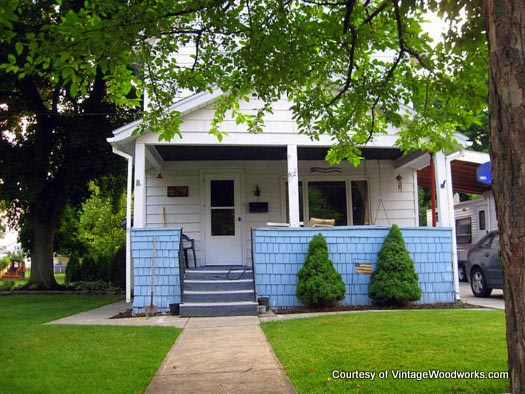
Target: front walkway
(212,354)
(221,355)
(102,316)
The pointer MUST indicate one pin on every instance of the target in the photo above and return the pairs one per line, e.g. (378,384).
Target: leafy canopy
(349,68)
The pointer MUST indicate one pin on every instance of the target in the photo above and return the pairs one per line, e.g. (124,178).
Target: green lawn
(59,276)
(411,342)
(74,359)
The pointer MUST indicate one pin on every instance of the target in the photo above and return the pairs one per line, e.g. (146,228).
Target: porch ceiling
(196,152)
(463,178)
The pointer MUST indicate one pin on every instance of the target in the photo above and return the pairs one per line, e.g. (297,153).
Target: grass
(407,341)
(35,358)
(59,276)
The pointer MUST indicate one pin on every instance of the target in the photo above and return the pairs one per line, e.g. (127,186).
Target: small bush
(117,272)
(73,273)
(319,284)
(394,282)
(98,285)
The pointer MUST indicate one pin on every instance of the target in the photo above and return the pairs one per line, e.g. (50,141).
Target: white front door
(223,226)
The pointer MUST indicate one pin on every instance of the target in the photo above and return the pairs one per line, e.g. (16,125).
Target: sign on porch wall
(258,207)
(178,191)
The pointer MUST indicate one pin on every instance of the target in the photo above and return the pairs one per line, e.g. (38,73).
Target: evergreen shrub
(394,282)
(117,273)
(73,273)
(319,284)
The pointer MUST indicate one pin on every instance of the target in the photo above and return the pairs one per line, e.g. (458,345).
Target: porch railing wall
(279,253)
(166,274)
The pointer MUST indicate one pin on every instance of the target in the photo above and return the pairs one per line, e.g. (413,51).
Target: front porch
(278,254)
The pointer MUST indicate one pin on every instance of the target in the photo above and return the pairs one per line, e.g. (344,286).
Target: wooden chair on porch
(188,244)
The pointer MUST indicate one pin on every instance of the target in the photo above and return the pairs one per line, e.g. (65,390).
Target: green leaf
(19,47)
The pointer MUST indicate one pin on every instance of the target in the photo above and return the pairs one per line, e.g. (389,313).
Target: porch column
(445,200)
(293,186)
(140,186)
(443,184)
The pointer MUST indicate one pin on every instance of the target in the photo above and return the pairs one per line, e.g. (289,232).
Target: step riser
(203,275)
(228,297)
(219,310)
(219,286)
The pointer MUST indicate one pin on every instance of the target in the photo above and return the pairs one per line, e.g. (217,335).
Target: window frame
(460,235)
(306,203)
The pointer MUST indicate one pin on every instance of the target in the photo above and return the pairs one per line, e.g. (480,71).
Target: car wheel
(478,284)
(462,274)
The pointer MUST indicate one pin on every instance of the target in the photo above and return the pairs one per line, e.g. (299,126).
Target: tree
(505,23)
(93,231)
(55,117)
(319,284)
(99,224)
(327,57)
(394,282)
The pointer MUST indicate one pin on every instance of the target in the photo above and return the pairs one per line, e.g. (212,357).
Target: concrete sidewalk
(221,355)
(102,317)
(212,354)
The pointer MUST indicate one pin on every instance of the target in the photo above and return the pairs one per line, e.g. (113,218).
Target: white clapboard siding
(388,203)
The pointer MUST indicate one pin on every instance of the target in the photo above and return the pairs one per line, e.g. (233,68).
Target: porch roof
(463,174)
(219,152)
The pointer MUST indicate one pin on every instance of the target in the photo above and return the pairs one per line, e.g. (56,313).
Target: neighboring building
(473,218)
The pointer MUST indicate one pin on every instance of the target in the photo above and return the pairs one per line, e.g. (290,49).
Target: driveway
(495,300)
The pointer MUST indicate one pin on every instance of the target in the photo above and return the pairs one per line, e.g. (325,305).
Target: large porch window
(346,201)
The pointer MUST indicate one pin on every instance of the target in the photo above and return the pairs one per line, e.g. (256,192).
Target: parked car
(484,267)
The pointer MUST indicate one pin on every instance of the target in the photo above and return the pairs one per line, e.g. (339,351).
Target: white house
(217,192)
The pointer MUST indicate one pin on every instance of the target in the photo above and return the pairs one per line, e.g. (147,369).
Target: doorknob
(239,218)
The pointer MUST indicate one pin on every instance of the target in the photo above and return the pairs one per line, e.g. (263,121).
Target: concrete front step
(202,309)
(219,296)
(218,274)
(218,285)
(219,291)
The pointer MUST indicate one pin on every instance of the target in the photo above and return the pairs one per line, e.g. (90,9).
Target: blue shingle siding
(166,273)
(280,253)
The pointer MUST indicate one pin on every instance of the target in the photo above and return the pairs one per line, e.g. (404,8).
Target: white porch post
(445,202)
(293,186)
(140,186)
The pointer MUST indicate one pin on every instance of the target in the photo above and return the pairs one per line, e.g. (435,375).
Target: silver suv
(484,267)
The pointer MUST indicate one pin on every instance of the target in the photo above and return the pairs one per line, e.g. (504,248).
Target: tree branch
(350,5)
(400,37)
(325,3)
(377,11)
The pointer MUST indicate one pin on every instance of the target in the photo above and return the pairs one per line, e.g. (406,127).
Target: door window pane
(222,193)
(360,209)
(327,200)
(222,222)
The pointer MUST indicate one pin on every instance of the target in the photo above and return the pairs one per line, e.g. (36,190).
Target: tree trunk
(43,230)
(505,25)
